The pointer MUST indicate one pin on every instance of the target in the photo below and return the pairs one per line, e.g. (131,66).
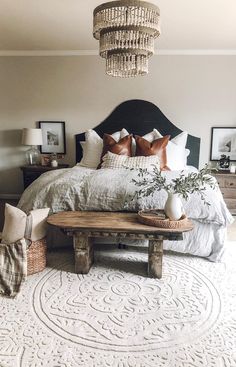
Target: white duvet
(80,188)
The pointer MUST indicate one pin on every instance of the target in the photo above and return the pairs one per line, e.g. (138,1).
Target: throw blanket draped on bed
(13,267)
(80,188)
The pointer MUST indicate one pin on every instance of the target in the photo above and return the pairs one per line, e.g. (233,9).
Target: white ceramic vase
(54,163)
(173,207)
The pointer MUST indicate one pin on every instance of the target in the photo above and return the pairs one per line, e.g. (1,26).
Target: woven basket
(36,256)
(149,218)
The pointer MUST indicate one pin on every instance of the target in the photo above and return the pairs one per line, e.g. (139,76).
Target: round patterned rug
(118,317)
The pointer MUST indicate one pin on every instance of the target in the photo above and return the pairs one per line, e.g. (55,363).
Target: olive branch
(184,185)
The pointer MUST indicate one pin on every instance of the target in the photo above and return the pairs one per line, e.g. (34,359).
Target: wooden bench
(84,226)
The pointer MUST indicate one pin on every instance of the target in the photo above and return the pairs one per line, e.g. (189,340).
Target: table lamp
(32,137)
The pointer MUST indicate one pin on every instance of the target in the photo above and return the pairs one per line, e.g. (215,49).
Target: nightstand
(227,184)
(30,173)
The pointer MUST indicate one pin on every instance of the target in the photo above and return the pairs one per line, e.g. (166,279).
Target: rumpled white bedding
(80,188)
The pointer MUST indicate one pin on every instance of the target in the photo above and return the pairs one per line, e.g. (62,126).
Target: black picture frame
(54,137)
(223,141)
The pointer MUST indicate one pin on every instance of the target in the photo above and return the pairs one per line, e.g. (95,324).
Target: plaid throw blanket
(13,267)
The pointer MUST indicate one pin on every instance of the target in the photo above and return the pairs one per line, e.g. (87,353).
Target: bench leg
(155,253)
(83,247)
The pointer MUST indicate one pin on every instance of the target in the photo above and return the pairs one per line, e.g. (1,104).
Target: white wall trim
(161,52)
(196,52)
(10,196)
(48,53)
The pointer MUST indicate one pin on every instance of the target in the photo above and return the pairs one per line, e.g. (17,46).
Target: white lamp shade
(32,137)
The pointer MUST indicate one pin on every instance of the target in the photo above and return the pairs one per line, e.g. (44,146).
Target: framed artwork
(54,140)
(223,141)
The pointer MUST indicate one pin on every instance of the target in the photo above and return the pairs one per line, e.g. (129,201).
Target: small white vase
(54,163)
(173,207)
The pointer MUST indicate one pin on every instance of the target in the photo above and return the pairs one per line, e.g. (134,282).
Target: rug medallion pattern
(118,317)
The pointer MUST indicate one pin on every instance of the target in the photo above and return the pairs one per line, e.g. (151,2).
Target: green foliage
(184,185)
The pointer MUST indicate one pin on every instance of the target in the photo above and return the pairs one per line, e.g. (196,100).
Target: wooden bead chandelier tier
(126,30)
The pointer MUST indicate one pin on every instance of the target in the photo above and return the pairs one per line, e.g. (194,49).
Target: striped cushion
(111,160)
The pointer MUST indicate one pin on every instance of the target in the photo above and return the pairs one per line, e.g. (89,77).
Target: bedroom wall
(194,92)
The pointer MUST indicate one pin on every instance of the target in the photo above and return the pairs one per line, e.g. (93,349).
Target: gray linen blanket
(13,267)
(80,188)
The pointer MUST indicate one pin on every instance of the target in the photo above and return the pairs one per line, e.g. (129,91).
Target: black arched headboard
(140,117)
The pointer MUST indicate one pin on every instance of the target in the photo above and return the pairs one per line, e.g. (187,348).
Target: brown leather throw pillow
(122,147)
(157,147)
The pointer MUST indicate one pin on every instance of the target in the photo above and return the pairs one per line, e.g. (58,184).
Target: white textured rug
(117,317)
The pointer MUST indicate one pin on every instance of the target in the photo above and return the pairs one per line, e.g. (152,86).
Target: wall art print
(53,133)
(223,142)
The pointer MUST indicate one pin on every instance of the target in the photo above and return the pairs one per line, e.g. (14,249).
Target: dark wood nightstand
(30,173)
(227,184)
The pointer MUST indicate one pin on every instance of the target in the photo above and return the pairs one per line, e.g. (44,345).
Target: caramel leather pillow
(122,147)
(157,147)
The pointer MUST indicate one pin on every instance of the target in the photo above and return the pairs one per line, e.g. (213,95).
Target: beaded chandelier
(126,30)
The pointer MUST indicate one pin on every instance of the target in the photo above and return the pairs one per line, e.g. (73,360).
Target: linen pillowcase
(115,161)
(176,152)
(92,149)
(120,134)
(176,156)
(157,147)
(18,225)
(36,226)
(93,145)
(152,135)
(14,224)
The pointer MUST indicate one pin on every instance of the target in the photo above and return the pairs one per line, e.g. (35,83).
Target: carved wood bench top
(85,225)
(107,222)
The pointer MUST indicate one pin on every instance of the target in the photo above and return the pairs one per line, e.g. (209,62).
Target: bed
(139,117)
(81,188)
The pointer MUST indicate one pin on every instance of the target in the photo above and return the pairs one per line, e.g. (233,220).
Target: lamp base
(33,156)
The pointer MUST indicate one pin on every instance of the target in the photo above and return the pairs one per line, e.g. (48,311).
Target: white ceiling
(33,25)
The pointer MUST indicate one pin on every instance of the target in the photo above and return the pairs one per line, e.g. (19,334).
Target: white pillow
(115,161)
(175,151)
(176,156)
(36,225)
(149,137)
(14,224)
(119,134)
(92,149)
(181,139)
(93,145)
(18,225)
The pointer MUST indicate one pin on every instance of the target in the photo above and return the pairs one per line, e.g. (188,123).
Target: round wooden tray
(157,218)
